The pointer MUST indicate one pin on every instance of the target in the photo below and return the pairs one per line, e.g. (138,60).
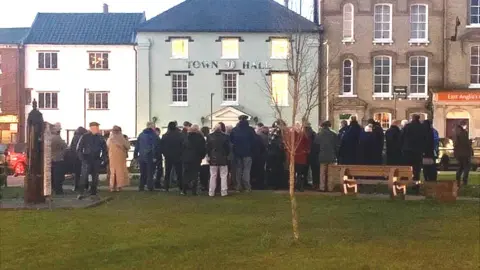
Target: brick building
(383,57)
(459,99)
(12,91)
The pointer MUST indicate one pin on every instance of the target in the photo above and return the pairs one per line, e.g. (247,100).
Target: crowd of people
(242,158)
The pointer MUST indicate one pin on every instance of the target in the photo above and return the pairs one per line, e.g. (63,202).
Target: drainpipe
(327,90)
(135,49)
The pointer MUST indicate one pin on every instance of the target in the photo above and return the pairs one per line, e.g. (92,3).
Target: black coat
(349,144)
(194,148)
(379,143)
(429,146)
(92,148)
(413,138)
(218,148)
(367,143)
(394,147)
(259,148)
(172,145)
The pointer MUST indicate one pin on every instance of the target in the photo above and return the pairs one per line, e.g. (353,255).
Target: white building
(81,67)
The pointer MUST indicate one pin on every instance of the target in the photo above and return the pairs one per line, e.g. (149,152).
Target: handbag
(427,161)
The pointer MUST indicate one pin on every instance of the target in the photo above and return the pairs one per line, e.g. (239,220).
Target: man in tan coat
(118,148)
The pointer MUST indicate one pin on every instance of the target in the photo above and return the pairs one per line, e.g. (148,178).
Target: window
(418,22)
(98,60)
(48,100)
(347,81)
(418,75)
(47,60)
(230,48)
(474,12)
(98,100)
(180,48)
(348,22)
(280,88)
(382,75)
(383,23)
(475,65)
(280,48)
(179,88)
(230,88)
(385,119)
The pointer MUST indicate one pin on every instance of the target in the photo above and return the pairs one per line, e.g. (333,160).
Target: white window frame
(348,22)
(224,88)
(236,54)
(410,94)
(383,95)
(51,100)
(477,65)
(95,93)
(390,22)
(286,100)
(280,42)
(352,78)
(99,55)
(185,43)
(416,19)
(379,120)
(469,12)
(39,53)
(173,76)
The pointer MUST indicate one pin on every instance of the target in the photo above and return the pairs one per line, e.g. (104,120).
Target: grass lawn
(244,231)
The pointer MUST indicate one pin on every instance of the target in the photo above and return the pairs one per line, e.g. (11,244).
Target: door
(450,125)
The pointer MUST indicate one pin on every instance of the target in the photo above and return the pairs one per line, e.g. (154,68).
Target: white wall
(73,76)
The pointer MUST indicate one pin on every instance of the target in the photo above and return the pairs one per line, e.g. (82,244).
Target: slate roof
(84,28)
(13,35)
(229,16)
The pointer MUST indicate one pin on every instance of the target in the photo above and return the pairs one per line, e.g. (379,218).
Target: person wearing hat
(92,151)
(243,139)
(146,151)
(58,148)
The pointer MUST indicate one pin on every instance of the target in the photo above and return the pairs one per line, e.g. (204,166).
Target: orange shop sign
(464,96)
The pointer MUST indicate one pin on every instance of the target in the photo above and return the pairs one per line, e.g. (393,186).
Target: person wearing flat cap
(92,151)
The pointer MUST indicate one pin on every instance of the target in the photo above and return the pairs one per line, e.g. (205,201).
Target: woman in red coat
(303,144)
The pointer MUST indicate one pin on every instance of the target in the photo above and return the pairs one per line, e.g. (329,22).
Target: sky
(20,13)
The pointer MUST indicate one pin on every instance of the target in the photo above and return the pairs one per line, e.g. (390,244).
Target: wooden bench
(397,177)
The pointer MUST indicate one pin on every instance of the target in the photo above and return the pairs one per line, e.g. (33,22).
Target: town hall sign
(229,64)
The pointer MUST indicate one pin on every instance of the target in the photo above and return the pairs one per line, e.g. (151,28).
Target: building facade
(212,61)
(12,90)
(459,99)
(383,58)
(83,69)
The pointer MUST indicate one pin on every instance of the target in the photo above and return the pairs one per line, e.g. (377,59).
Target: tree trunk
(293,200)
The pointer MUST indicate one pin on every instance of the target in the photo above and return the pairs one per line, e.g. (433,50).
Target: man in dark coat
(430,167)
(146,151)
(92,151)
(218,149)
(394,147)
(194,150)
(172,145)
(73,160)
(328,143)
(379,142)
(158,161)
(413,141)
(343,129)
(368,142)
(463,152)
(349,144)
(243,139)
(313,163)
(276,155)
(259,156)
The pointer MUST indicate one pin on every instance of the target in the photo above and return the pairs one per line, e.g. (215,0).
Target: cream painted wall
(73,76)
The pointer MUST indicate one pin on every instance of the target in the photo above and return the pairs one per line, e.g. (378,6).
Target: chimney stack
(105,8)
(286,3)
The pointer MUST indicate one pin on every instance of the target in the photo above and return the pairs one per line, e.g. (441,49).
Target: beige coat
(118,148)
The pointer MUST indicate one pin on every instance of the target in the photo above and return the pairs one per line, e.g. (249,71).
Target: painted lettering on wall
(229,64)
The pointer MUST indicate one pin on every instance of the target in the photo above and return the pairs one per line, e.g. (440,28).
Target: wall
(154,61)
(73,76)
(12,85)
(362,51)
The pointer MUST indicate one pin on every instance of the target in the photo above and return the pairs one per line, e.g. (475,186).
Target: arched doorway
(453,119)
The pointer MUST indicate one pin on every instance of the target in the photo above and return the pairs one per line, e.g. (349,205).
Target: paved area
(68,201)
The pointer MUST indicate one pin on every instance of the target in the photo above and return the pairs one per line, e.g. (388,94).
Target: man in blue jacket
(243,139)
(146,150)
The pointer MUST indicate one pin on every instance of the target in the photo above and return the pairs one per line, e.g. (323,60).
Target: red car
(16,158)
